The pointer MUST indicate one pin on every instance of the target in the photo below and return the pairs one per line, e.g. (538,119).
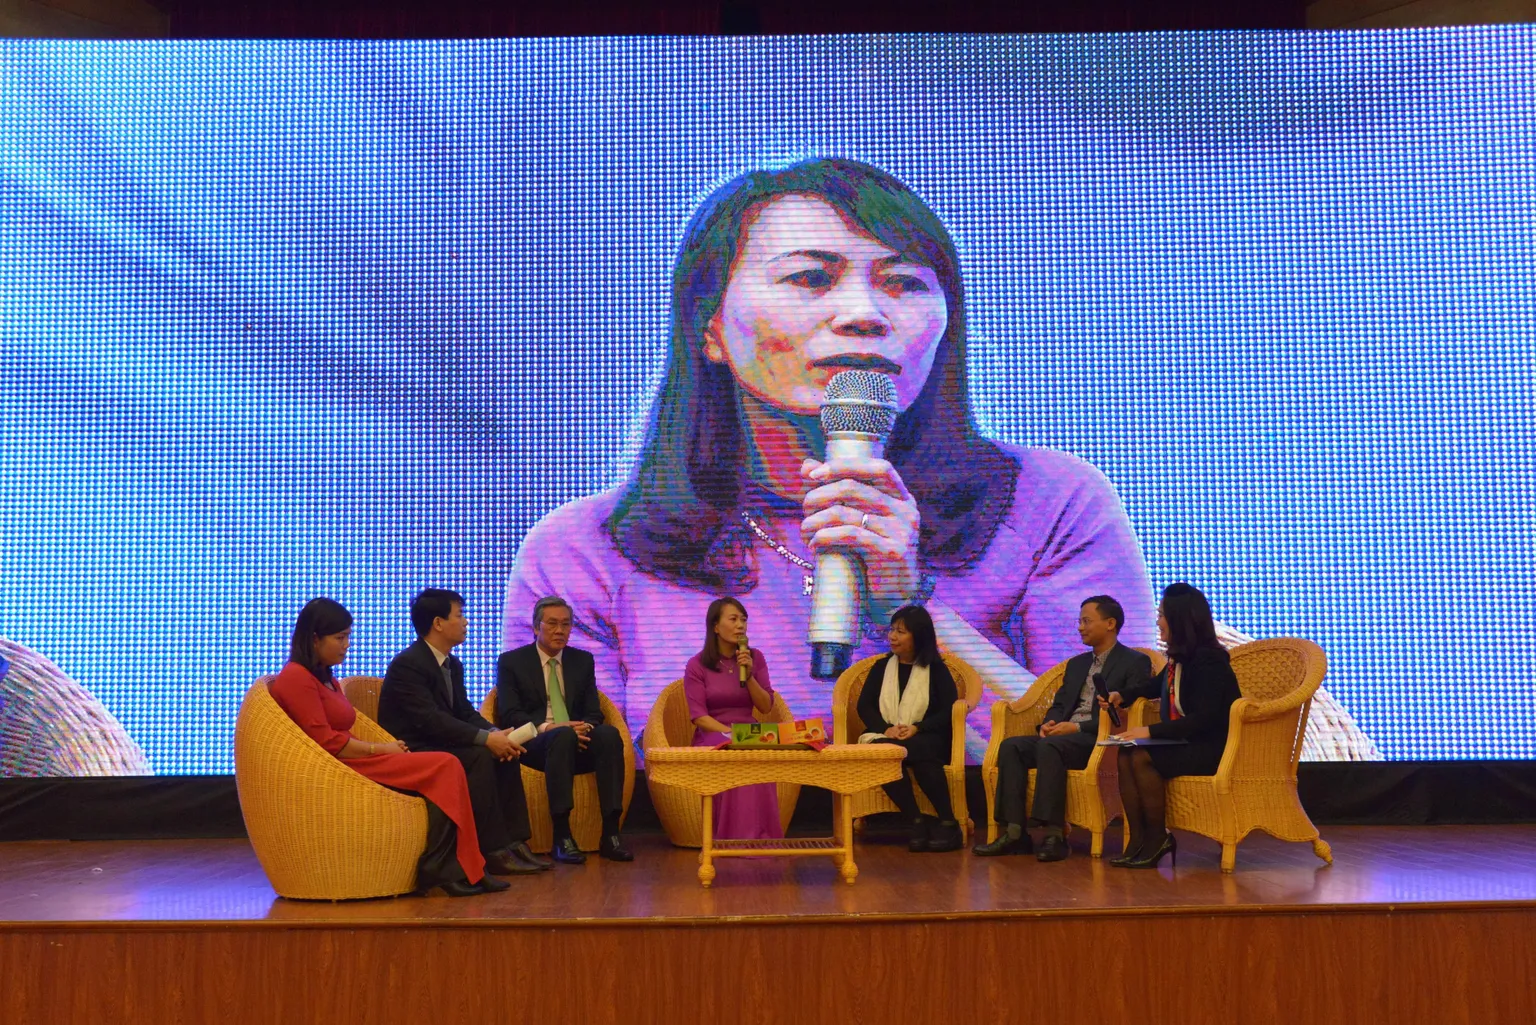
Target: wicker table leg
(706,863)
(843,841)
(845,829)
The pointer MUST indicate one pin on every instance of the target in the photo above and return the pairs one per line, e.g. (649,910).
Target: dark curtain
(407,19)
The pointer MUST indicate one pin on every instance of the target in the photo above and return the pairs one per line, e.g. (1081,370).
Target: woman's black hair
(320,617)
(925,642)
(710,656)
(1190,626)
(678,517)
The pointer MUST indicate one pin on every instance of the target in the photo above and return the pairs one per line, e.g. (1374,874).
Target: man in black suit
(423,703)
(1066,738)
(553,688)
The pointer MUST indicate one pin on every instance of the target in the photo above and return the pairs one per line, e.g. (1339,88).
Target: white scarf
(909,707)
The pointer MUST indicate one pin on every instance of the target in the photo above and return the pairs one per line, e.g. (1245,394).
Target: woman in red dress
(306,689)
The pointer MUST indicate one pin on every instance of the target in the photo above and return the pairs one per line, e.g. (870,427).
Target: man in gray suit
(1066,738)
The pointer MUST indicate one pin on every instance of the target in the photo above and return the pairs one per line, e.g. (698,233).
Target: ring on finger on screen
(864,522)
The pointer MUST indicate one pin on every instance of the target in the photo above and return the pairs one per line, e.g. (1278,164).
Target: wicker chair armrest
(957,714)
(1037,693)
(840,710)
(1258,711)
(1096,756)
(995,741)
(1145,712)
(655,733)
(1260,747)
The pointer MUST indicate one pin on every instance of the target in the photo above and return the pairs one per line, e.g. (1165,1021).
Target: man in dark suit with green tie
(552,688)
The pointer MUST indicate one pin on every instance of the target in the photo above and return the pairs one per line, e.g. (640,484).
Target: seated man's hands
(501,744)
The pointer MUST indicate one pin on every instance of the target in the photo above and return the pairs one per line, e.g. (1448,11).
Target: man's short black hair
(433,603)
(1109,609)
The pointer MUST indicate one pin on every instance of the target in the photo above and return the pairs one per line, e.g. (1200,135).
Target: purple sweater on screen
(1066,537)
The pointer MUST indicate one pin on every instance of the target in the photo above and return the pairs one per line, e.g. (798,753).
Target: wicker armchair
(1093,792)
(363,692)
(1255,785)
(587,815)
(682,812)
(321,830)
(846,727)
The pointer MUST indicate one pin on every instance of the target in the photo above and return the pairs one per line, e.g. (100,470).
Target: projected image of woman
(785,278)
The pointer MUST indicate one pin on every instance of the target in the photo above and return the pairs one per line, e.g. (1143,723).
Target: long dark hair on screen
(925,641)
(678,516)
(710,656)
(321,617)
(1190,624)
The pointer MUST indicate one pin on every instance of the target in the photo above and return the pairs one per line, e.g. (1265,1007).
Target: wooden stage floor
(1407,925)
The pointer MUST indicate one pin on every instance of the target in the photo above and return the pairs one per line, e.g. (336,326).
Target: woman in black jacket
(1197,688)
(907,700)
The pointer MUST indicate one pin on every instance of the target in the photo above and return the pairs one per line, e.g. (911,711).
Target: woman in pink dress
(306,689)
(719,698)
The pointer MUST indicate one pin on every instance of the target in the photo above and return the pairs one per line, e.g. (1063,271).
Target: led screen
(286,319)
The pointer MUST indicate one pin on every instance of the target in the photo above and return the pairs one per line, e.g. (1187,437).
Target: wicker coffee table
(843,769)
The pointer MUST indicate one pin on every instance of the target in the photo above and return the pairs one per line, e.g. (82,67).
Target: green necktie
(557,710)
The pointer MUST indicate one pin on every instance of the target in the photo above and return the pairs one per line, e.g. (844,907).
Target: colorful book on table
(801,733)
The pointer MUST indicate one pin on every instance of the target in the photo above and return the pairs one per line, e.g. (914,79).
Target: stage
(1428,924)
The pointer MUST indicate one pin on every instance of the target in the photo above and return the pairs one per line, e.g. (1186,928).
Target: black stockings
(1142,792)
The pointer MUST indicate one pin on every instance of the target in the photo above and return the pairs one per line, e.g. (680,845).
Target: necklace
(808,582)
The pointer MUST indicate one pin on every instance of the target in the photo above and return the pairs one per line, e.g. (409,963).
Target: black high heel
(1151,860)
(1130,854)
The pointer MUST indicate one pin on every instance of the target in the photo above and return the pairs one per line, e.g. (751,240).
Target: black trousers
(560,758)
(439,861)
(927,754)
(1050,757)
(495,793)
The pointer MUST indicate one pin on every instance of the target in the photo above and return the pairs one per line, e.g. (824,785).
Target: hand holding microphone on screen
(861,521)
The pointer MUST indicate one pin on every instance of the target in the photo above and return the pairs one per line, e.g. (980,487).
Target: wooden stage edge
(1409,925)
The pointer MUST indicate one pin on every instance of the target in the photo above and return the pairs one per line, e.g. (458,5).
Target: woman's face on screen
(811,295)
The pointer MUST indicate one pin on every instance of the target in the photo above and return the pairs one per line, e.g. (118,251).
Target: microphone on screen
(741,670)
(1103,692)
(857,414)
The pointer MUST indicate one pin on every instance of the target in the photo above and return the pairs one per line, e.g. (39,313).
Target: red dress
(326,715)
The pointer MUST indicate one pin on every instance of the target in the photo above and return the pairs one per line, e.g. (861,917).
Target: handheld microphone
(1103,692)
(857,414)
(741,670)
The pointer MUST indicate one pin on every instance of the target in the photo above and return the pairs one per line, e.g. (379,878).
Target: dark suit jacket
(415,707)
(520,693)
(942,695)
(1207,692)
(1125,669)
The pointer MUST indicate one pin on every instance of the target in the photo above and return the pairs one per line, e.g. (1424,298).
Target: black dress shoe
(946,837)
(917,843)
(613,849)
(462,888)
(1004,844)
(1054,848)
(505,863)
(522,852)
(490,884)
(567,853)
